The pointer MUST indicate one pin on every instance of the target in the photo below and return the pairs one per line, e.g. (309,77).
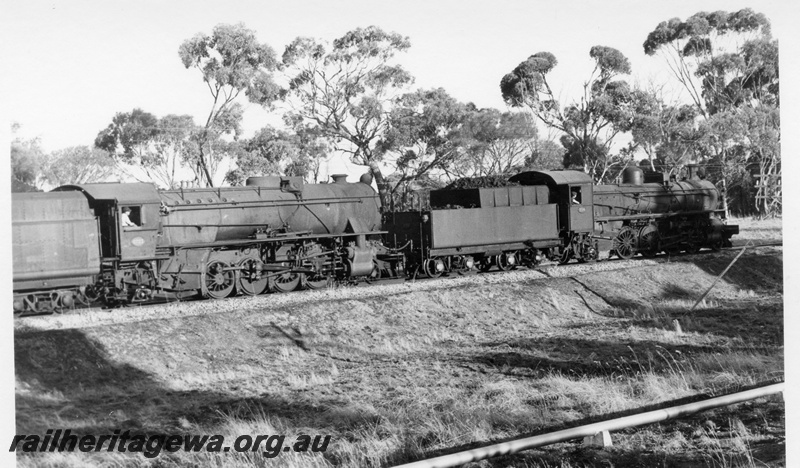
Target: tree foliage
(151,149)
(589,125)
(273,151)
(231,61)
(78,165)
(728,64)
(496,143)
(423,132)
(27,158)
(347,89)
(722,59)
(666,132)
(546,155)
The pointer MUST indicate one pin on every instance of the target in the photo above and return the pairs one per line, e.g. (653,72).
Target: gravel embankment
(96,317)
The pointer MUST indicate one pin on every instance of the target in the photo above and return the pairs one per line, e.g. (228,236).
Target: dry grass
(757,230)
(398,378)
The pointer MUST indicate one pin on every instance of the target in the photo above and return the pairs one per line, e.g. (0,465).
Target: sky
(69,66)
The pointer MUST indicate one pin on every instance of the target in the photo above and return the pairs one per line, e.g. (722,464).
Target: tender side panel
(478,226)
(491,197)
(54,237)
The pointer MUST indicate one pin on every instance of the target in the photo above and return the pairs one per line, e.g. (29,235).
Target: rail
(517,445)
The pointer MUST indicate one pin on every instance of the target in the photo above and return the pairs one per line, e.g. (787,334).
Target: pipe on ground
(649,417)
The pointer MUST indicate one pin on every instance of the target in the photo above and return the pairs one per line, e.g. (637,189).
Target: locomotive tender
(127,243)
(561,216)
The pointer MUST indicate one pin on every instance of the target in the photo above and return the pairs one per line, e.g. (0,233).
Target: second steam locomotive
(128,243)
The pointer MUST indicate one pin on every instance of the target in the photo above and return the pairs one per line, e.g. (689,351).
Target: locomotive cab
(571,191)
(136,241)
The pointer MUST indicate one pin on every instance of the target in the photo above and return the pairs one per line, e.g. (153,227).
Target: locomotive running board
(604,219)
(273,239)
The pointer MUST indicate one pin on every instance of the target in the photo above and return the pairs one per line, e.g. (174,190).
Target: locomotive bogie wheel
(486,264)
(466,263)
(250,280)
(506,261)
(433,267)
(286,282)
(625,243)
(218,280)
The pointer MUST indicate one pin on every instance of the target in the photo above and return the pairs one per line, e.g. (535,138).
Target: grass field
(397,378)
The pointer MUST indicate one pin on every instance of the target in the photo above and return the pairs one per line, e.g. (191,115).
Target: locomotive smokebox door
(580,207)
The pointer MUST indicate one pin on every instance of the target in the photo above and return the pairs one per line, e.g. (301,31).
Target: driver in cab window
(125,218)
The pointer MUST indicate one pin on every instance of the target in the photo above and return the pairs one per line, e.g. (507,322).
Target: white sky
(72,65)
(69,66)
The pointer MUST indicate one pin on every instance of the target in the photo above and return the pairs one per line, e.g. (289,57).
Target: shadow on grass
(539,358)
(67,380)
(752,271)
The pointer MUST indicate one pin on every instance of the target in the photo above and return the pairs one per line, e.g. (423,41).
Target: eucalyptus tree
(27,158)
(150,149)
(591,124)
(347,89)
(665,132)
(424,134)
(232,61)
(722,59)
(78,165)
(497,143)
(728,64)
(295,152)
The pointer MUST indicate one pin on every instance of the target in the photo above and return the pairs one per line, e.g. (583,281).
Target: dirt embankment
(385,362)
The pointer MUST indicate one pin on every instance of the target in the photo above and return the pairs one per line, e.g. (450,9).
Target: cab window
(131,217)
(575,196)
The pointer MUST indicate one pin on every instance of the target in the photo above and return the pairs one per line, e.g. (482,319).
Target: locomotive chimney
(339,178)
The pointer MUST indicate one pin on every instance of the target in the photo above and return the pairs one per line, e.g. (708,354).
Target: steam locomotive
(559,215)
(127,243)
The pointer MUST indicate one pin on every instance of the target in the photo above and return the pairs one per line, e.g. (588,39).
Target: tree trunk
(725,196)
(383,186)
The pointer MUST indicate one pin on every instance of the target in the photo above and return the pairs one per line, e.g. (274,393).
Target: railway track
(91,317)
